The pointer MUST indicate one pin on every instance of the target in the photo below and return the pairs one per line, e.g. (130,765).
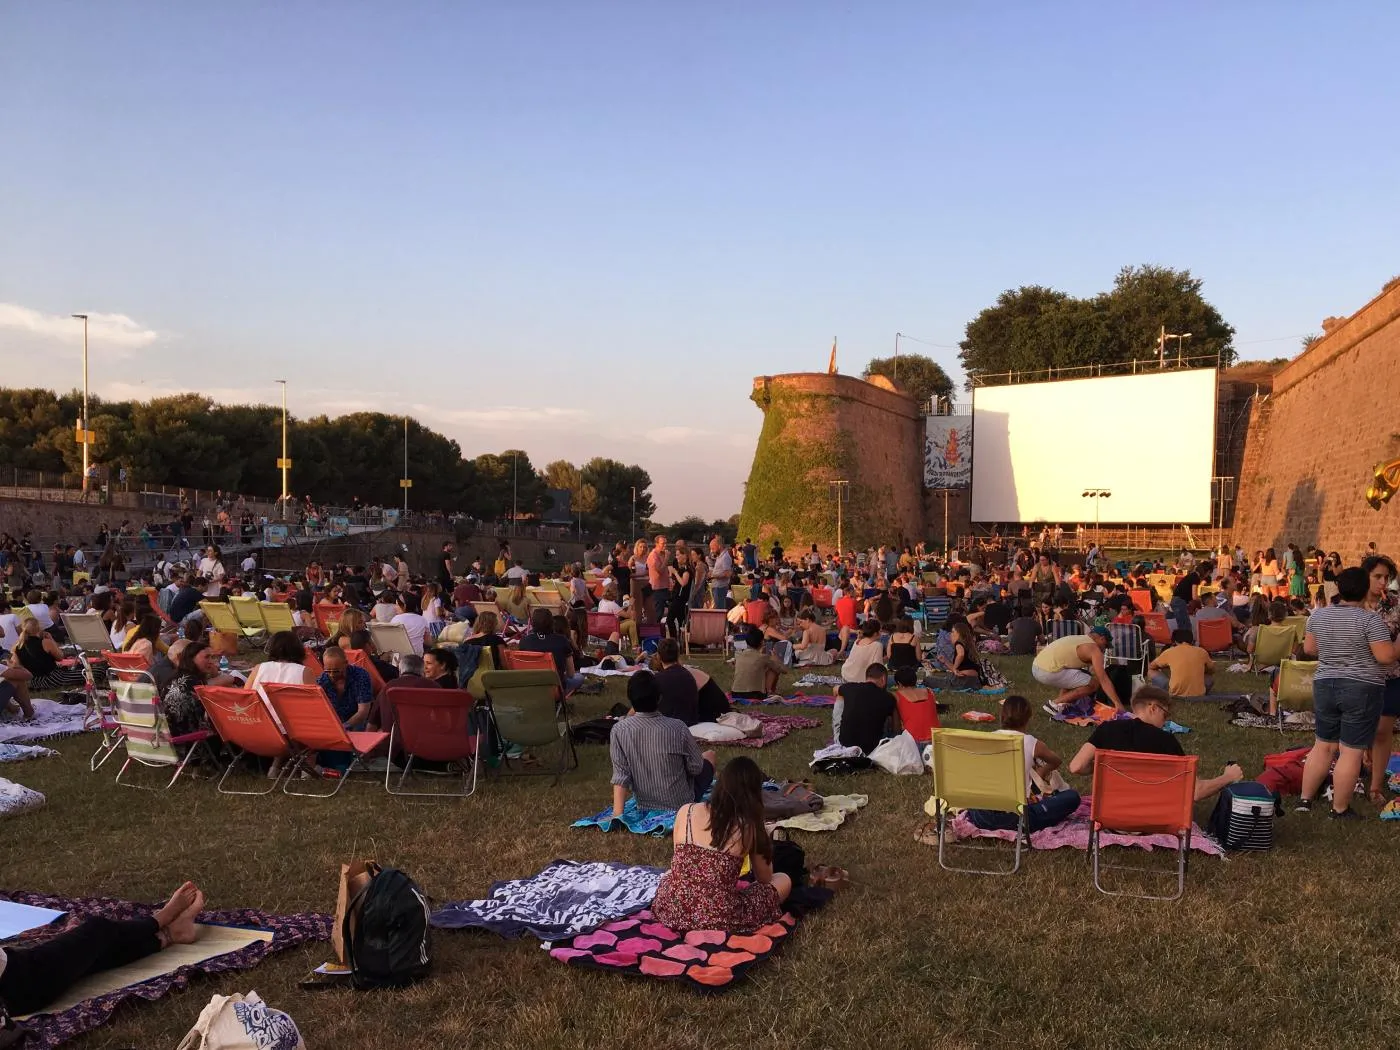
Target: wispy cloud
(695,436)
(110,332)
(548,417)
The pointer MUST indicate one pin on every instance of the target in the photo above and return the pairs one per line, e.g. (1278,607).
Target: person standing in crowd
(721,572)
(659,577)
(1380,572)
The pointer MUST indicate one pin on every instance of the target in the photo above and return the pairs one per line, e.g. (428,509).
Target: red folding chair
(312,725)
(1154,624)
(125,661)
(328,616)
(242,720)
(1142,600)
(603,626)
(1146,795)
(1214,635)
(361,659)
(755,611)
(434,725)
(525,660)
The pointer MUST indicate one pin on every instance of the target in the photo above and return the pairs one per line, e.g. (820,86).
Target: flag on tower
(831,365)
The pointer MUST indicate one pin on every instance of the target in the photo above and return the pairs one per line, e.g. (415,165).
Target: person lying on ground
(1143,734)
(1044,809)
(654,758)
(701,890)
(33,977)
(1074,665)
(1183,669)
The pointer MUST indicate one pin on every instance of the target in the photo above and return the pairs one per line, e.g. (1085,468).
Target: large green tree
(1034,328)
(922,378)
(614,483)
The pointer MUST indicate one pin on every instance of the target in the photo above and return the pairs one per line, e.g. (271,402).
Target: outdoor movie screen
(1149,439)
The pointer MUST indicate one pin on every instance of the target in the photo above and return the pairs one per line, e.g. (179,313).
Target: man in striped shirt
(654,757)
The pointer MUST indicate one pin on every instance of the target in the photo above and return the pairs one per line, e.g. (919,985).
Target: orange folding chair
(1214,635)
(312,661)
(1154,624)
(328,617)
(242,720)
(1142,794)
(524,660)
(312,725)
(707,627)
(436,726)
(360,658)
(1142,600)
(125,661)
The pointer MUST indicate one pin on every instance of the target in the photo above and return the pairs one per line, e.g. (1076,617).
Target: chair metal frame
(284,699)
(1129,647)
(1006,750)
(1177,771)
(242,700)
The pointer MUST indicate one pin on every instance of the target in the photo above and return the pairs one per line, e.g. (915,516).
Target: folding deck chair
(277,616)
(87,632)
(706,628)
(144,730)
(328,616)
(973,770)
(391,638)
(249,615)
(527,709)
(312,725)
(1142,794)
(435,725)
(242,720)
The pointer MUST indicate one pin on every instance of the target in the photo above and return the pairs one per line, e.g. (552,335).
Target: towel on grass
(705,960)
(1293,721)
(1074,832)
(792,700)
(21,752)
(49,1030)
(807,681)
(567,898)
(775,727)
(634,819)
(16,798)
(50,719)
(835,809)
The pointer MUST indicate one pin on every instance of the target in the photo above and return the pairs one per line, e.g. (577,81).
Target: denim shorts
(1347,711)
(1391,704)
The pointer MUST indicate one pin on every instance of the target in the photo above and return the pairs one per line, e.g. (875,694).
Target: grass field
(1276,950)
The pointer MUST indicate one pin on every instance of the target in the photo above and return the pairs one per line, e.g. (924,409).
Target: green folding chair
(527,710)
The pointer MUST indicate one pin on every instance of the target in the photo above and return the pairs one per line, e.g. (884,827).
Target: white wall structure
(1148,438)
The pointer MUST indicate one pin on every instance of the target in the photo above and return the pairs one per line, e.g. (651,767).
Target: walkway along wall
(1313,443)
(820,428)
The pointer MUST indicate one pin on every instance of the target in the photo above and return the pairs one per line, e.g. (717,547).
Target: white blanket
(16,798)
(50,719)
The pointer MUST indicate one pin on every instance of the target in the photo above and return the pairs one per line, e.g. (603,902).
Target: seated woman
(867,650)
(39,654)
(485,630)
(627,627)
(32,978)
(701,891)
(963,667)
(810,647)
(198,665)
(515,602)
(351,620)
(902,649)
(145,640)
(775,640)
(1046,806)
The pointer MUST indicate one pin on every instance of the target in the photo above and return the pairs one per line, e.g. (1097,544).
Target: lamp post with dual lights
(1097,495)
(284,464)
(84,435)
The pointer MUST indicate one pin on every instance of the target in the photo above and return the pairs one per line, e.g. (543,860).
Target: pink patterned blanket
(1075,832)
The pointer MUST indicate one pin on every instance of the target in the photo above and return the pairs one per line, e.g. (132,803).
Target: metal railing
(1136,366)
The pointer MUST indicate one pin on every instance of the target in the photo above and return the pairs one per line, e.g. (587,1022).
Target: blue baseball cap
(1104,633)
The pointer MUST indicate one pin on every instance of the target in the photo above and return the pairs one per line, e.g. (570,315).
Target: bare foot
(178,902)
(182,930)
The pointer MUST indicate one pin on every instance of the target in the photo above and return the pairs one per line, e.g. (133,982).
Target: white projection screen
(1148,438)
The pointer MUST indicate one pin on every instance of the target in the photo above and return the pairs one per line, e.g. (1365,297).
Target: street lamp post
(284,464)
(406,483)
(515,493)
(634,513)
(84,435)
(842,489)
(1096,494)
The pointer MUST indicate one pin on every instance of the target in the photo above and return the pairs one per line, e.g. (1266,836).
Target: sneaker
(1346,814)
(1303,805)
(1053,710)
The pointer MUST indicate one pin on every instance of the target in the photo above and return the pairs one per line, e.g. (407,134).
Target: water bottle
(223,665)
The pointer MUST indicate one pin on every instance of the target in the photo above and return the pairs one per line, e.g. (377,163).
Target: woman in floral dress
(702,891)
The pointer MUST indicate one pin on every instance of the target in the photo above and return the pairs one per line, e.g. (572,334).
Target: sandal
(927,833)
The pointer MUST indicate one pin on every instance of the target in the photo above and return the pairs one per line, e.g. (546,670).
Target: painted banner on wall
(948,452)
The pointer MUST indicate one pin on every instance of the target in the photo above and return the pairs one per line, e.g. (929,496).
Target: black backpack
(386,932)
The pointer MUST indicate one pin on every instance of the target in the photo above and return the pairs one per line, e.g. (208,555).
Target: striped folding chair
(1063,628)
(1129,647)
(144,731)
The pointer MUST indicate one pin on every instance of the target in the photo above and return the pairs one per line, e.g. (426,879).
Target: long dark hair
(736,808)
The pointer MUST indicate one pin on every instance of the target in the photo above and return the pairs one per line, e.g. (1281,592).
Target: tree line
(188,440)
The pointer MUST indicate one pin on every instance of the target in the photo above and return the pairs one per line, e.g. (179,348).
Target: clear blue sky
(582,228)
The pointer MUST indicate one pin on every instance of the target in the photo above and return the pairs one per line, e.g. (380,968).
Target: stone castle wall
(1314,442)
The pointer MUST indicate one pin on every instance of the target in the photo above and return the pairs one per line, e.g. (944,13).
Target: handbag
(242,1022)
(789,799)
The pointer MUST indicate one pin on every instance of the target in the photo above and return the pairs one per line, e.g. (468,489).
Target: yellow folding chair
(277,616)
(221,618)
(1294,687)
(249,616)
(1273,644)
(973,770)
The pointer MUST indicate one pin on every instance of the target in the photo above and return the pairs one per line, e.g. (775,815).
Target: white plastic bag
(898,755)
(714,733)
(746,724)
(242,1022)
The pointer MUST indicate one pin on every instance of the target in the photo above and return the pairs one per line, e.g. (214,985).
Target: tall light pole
(1097,495)
(515,493)
(897,337)
(405,482)
(284,464)
(841,488)
(634,513)
(1162,338)
(84,435)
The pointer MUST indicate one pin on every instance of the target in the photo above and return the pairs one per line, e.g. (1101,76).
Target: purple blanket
(49,1030)
(794,700)
(775,727)
(1075,832)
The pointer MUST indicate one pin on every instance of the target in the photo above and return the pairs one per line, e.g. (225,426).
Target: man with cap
(1074,665)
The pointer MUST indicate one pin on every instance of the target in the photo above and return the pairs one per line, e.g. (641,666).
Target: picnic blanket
(566,899)
(705,960)
(16,798)
(1293,721)
(791,700)
(1074,832)
(775,727)
(807,681)
(1088,712)
(611,672)
(634,819)
(49,1030)
(835,809)
(22,752)
(50,719)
